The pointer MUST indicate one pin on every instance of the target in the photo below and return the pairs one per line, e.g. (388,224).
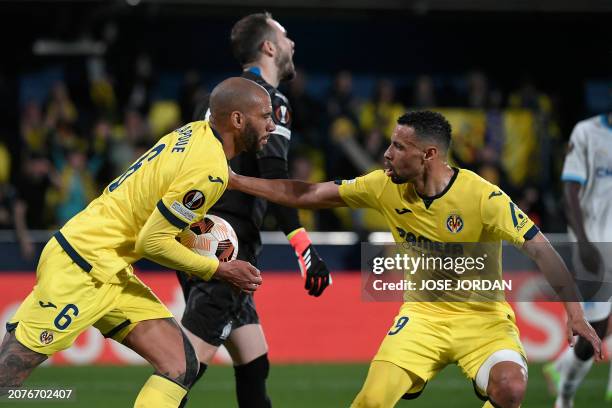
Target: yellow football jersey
(470,209)
(182,176)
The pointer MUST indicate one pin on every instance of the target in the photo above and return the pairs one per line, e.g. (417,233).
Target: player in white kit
(587,185)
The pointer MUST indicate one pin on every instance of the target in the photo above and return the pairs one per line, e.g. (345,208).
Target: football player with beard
(215,313)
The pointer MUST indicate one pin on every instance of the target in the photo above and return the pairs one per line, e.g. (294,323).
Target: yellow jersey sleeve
(364,191)
(504,219)
(191,195)
(195,187)
(157,241)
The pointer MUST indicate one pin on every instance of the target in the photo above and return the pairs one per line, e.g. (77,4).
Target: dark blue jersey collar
(217,135)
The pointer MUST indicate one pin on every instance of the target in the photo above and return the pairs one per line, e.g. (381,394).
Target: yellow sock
(160,392)
(385,384)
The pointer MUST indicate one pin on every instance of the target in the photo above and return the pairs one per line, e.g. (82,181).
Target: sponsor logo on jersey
(495,194)
(602,171)
(46,337)
(454,223)
(181,210)
(420,241)
(402,211)
(194,199)
(518,218)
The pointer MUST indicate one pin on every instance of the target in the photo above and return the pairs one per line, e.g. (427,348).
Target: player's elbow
(145,246)
(139,248)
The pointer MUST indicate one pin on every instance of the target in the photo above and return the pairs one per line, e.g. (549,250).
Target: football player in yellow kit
(425,200)
(84,276)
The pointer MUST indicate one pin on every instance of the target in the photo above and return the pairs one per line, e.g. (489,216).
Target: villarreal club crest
(454,223)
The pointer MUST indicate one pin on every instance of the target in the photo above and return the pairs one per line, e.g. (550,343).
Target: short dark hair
(248,34)
(428,125)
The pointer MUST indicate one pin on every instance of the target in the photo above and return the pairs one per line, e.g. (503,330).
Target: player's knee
(256,369)
(368,399)
(507,390)
(192,365)
(184,370)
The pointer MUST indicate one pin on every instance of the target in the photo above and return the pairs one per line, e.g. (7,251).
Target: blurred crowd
(68,149)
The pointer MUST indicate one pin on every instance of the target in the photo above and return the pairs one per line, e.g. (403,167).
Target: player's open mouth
(388,170)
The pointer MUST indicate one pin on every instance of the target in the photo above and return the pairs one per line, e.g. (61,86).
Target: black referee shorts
(214,308)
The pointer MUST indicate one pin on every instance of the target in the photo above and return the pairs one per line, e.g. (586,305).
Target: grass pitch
(292,386)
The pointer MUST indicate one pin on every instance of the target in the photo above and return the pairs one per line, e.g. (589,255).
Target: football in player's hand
(212,237)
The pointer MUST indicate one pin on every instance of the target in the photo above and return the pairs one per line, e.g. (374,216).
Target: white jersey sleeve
(589,162)
(576,166)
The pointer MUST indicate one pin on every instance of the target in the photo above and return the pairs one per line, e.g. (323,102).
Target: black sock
(251,383)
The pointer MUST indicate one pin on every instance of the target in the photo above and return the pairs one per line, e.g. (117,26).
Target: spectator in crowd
(424,95)
(307,112)
(340,101)
(135,131)
(342,119)
(76,186)
(191,93)
(33,183)
(342,136)
(101,145)
(12,217)
(60,108)
(12,209)
(380,113)
(527,96)
(494,131)
(34,132)
(103,96)
(139,95)
(477,90)
(5,160)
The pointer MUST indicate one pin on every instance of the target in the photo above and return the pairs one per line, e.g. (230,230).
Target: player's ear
(237,119)
(268,48)
(430,153)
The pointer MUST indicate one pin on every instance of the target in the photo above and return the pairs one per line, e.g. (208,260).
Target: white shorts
(596,311)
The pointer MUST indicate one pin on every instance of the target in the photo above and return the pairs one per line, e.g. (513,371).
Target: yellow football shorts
(66,300)
(425,343)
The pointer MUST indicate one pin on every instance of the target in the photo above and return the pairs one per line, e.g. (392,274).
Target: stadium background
(86,86)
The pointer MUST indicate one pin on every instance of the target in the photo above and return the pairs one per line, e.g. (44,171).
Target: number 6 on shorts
(63,319)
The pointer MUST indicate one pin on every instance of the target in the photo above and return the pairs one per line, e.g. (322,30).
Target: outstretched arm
(290,193)
(552,266)
(589,255)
